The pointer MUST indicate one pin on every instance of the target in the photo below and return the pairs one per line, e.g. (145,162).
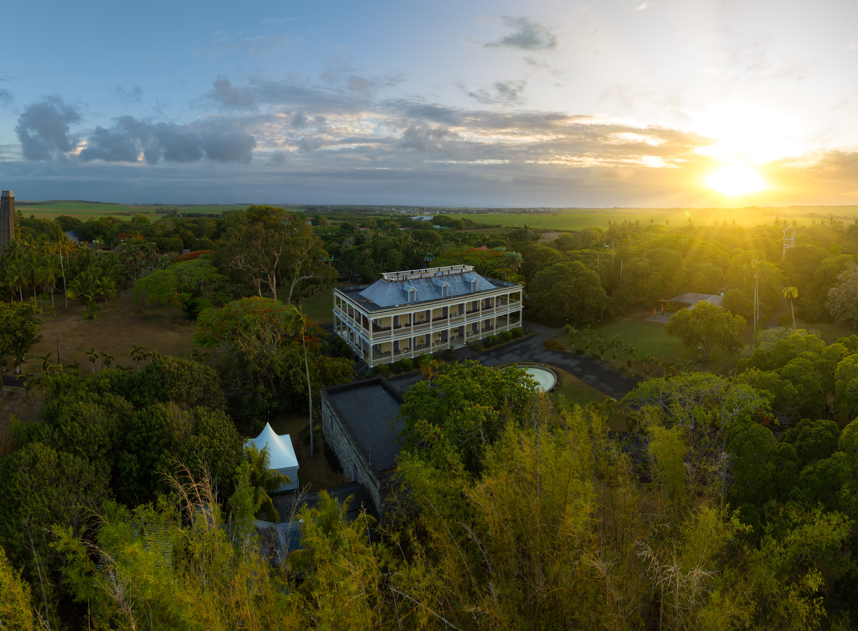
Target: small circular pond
(545,378)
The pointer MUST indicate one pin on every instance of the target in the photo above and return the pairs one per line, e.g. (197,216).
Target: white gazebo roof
(280,451)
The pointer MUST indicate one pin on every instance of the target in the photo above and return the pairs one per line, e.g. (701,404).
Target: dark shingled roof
(368,408)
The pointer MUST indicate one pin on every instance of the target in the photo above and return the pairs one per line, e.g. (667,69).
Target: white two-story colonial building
(408,314)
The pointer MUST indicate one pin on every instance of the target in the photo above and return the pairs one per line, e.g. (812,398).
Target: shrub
(495,340)
(487,342)
(367,374)
(407,363)
(191,256)
(507,336)
(554,345)
(517,332)
(383,370)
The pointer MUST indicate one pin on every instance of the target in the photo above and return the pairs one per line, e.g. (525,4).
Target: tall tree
(300,324)
(843,297)
(273,246)
(707,325)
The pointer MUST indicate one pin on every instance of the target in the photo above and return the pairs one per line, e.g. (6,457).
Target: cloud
(644,6)
(132,140)
(225,95)
(425,138)
(6,98)
(134,95)
(852,46)
(256,45)
(526,35)
(43,128)
(502,92)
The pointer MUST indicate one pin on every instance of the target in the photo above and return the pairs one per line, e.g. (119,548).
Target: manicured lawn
(320,307)
(579,393)
(649,338)
(828,332)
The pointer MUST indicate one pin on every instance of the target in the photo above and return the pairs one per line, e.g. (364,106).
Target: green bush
(517,332)
(383,370)
(487,342)
(507,336)
(367,374)
(407,364)
(495,340)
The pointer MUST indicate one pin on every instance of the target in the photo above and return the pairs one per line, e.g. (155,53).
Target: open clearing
(649,338)
(120,325)
(580,218)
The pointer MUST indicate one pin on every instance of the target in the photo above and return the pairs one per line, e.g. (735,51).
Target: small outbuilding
(360,422)
(281,455)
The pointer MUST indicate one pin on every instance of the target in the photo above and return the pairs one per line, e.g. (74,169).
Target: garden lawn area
(650,338)
(830,332)
(320,307)
(312,471)
(579,393)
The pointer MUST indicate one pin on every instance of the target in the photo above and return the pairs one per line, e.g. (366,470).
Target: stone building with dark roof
(410,313)
(359,423)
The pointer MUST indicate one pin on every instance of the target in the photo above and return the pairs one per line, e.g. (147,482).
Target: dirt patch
(119,325)
(549,236)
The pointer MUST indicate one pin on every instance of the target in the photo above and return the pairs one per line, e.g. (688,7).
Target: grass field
(87,210)
(580,218)
(119,326)
(650,338)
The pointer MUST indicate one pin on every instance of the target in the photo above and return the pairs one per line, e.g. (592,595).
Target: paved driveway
(593,372)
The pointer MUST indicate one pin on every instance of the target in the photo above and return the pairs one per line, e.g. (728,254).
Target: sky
(452,103)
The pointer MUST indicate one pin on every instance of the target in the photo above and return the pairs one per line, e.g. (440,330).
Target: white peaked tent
(280,453)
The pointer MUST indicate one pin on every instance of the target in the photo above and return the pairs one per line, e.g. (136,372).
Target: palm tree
(616,347)
(93,357)
(138,354)
(647,361)
(106,360)
(48,277)
(263,479)
(631,356)
(792,294)
(428,366)
(89,286)
(63,247)
(604,345)
(299,323)
(16,276)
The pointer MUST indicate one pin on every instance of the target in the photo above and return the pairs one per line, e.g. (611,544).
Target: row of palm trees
(31,267)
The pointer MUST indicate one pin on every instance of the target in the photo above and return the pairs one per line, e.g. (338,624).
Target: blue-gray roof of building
(389,293)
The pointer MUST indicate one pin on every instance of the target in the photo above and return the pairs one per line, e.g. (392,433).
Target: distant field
(86,210)
(580,218)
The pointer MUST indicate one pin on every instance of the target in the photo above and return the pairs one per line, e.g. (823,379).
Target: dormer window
(412,294)
(472,282)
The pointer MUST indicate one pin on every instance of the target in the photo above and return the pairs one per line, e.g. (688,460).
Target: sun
(735,180)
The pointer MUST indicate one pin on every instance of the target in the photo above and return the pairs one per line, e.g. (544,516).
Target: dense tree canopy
(707,325)
(569,291)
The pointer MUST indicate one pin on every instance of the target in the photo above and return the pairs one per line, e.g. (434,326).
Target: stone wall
(351,455)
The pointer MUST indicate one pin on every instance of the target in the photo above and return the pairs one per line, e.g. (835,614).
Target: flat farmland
(86,210)
(580,218)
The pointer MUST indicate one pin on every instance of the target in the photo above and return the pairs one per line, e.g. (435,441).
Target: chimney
(7,218)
